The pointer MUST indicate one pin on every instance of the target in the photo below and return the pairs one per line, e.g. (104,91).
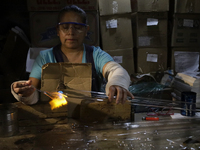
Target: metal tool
(49,94)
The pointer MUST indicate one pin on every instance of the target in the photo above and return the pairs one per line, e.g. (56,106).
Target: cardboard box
(102,111)
(64,76)
(150,5)
(57,5)
(43,29)
(94,33)
(184,49)
(72,75)
(187,6)
(116,32)
(124,57)
(44,34)
(151,59)
(186,30)
(111,7)
(150,29)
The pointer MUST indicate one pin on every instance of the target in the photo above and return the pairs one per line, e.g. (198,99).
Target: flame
(58,99)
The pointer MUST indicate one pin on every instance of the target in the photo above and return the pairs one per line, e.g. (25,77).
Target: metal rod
(141,101)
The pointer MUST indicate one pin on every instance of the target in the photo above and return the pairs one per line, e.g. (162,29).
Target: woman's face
(72,35)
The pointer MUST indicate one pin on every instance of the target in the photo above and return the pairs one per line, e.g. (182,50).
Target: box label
(188,23)
(152,22)
(152,57)
(111,23)
(186,61)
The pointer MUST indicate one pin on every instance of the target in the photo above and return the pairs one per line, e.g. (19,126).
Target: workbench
(66,133)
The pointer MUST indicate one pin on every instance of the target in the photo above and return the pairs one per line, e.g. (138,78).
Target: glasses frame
(75,23)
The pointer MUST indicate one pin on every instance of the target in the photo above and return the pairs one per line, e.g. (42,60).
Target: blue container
(188,103)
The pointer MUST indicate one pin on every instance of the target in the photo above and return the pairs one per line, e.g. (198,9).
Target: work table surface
(65,133)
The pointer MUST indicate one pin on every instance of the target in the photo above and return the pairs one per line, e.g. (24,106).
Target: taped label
(188,23)
(152,22)
(152,57)
(111,23)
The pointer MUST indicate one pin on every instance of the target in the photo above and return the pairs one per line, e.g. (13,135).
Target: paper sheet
(179,116)
(152,22)
(186,61)
(111,23)
(152,57)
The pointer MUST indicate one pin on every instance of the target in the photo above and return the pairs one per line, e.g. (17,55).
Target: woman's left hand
(121,94)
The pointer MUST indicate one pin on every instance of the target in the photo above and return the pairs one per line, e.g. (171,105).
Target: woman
(72,29)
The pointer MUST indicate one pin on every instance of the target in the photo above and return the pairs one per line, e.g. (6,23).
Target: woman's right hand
(23,89)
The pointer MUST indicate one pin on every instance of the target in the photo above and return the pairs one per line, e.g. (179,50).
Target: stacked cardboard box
(150,31)
(43,20)
(116,31)
(186,31)
(186,28)
(185,44)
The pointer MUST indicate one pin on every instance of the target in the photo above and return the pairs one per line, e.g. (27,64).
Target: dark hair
(73,8)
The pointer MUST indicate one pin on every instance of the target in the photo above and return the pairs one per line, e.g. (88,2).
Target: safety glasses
(78,27)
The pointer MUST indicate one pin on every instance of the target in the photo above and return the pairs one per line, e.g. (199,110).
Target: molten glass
(58,99)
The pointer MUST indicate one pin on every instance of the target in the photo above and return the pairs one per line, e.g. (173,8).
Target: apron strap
(90,59)
(57,53)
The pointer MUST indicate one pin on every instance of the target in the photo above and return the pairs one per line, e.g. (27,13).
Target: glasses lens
(79,28)
(66,27)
